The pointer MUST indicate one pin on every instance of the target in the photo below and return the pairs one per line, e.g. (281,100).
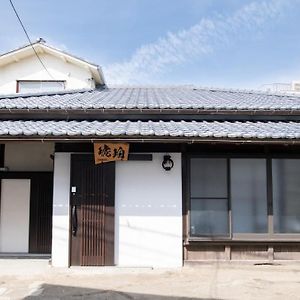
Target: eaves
(146,114)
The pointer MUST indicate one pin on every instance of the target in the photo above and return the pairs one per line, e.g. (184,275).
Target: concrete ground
(34,279)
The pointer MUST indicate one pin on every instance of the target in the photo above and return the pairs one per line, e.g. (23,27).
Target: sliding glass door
(248,184)
(209,197)
(244,198)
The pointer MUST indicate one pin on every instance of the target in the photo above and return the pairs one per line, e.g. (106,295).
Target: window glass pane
(249,195)
(209,197)
(208,178)
(209,217)
(286,195)
(52,86)
(40,86)
(28,87)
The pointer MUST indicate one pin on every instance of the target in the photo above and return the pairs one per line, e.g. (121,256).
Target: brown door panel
(41,202)
(92,212)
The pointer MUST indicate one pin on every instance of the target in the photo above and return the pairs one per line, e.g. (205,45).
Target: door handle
(74,220)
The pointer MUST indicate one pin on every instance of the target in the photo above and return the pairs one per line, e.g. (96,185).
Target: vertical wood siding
(93,244)
(40,226)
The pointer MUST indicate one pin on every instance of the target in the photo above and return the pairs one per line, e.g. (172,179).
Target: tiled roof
(154,98)
(138,129)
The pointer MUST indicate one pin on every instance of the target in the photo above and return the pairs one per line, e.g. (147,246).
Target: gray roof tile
(160,129)
(154,98)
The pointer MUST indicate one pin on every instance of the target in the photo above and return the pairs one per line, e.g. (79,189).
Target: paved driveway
(34,279)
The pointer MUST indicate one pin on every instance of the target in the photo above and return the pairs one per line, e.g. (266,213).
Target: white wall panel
(148,213)
(29,68)
(61,200)
(14,218)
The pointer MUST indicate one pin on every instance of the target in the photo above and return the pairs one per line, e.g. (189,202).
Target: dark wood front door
(92,212)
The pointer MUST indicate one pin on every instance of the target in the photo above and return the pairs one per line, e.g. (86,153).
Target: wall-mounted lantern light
(4,169)
(167,163)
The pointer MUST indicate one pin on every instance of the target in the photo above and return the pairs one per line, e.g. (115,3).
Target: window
(244,197)
(249,195)
(286,195)
(29,86)
(209,197)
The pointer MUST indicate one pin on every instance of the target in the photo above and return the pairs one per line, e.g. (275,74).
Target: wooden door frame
(73,155)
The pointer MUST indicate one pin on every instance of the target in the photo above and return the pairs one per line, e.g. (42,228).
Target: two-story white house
(40,67)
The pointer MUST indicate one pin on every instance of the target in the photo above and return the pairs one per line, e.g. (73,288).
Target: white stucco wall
(61,200)
(148,213)
(28,156)
(30,68)
(14,218)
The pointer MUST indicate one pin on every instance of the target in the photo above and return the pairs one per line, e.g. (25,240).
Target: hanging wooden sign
(105,152)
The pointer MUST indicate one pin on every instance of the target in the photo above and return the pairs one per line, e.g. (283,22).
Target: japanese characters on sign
(105,152)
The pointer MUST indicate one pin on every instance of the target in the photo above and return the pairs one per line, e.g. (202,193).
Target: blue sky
(230,43)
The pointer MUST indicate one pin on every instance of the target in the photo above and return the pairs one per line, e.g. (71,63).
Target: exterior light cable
(25,31)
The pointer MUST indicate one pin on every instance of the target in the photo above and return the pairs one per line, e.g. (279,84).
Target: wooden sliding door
(92,212)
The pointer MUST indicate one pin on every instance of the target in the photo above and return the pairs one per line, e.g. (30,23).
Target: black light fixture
(167,163)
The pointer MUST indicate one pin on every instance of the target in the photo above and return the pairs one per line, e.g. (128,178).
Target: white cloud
(193,43)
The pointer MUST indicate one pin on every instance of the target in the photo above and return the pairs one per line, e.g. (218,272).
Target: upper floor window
(29,86)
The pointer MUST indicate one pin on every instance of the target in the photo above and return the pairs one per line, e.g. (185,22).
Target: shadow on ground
(51,292)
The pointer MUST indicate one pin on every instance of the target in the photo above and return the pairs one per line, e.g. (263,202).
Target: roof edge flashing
(49,93)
